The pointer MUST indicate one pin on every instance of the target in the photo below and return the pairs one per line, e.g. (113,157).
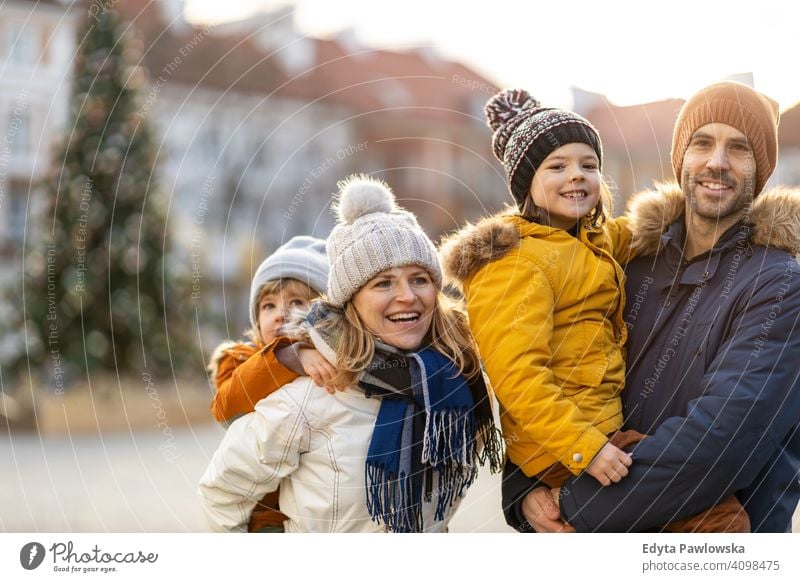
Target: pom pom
(506,105)
(360,195)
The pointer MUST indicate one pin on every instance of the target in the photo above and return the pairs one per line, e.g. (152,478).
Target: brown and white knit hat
(525,133)
(373,234)
(739,106)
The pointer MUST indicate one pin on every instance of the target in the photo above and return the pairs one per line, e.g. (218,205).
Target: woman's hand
(320,369)
(540,508)
(609,465)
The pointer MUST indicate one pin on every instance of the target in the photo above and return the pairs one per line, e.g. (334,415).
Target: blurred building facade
(258,122)
(37,42)
(788,171)
(636,141)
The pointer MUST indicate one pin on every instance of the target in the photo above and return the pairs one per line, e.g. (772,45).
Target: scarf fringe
(449,437)
(449,447)
(453,482)
(456,436)
(393,500)
(493,449)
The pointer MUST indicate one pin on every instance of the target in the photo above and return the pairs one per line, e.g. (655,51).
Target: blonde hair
(274,287)
(595,219)
(449,334)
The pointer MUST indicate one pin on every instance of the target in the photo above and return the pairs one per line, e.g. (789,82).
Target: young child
(545,297)
(248,371)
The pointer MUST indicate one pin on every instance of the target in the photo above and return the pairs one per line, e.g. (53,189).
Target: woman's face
(566,186)
(397,305)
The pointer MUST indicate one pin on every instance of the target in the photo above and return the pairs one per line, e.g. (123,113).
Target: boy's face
(274,307)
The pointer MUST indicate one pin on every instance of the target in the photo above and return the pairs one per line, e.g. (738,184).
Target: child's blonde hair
(273,287)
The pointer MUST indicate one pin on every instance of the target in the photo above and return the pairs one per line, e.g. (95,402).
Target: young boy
(248,371)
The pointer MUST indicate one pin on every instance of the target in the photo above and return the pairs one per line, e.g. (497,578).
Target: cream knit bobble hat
(372,235)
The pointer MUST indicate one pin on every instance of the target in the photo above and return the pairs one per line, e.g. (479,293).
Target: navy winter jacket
(713,375)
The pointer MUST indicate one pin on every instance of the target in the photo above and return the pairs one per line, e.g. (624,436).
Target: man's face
(719,171)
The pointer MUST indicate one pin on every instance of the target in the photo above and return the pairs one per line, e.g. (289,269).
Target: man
(713,310)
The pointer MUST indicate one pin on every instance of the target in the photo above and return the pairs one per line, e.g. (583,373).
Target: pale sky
(631,51)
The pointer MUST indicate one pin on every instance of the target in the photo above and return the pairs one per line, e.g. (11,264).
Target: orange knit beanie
(739,106)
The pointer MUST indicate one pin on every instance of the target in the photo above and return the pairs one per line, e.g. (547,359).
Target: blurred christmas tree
(97,292)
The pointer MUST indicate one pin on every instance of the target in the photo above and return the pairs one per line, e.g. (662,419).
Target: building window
(15,215)
(22,44)
(18,135)
(209,144)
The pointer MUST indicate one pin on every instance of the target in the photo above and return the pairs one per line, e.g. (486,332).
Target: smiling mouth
(716,186)
(574,194)
(405,317)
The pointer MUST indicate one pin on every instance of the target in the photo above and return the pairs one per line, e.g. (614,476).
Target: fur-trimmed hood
(239,351)
(774,218)
(465,252)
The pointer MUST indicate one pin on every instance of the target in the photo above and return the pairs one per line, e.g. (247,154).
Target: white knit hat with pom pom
(372,235)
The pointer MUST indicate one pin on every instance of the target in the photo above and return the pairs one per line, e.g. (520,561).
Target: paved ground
(143,482)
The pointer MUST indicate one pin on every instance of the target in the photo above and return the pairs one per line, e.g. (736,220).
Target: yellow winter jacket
(545,308)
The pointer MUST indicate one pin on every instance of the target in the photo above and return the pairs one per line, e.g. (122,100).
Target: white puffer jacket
(314,445)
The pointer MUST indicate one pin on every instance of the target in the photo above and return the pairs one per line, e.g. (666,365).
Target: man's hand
(540,508)
(609,465)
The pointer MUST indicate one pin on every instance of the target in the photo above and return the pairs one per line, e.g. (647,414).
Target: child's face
(274,307)
(566,186)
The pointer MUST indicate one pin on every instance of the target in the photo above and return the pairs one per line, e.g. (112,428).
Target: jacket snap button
(577,457)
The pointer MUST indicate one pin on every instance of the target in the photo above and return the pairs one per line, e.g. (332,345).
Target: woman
(397,449)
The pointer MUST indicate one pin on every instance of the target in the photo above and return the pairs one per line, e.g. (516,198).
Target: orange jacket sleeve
(245,375)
